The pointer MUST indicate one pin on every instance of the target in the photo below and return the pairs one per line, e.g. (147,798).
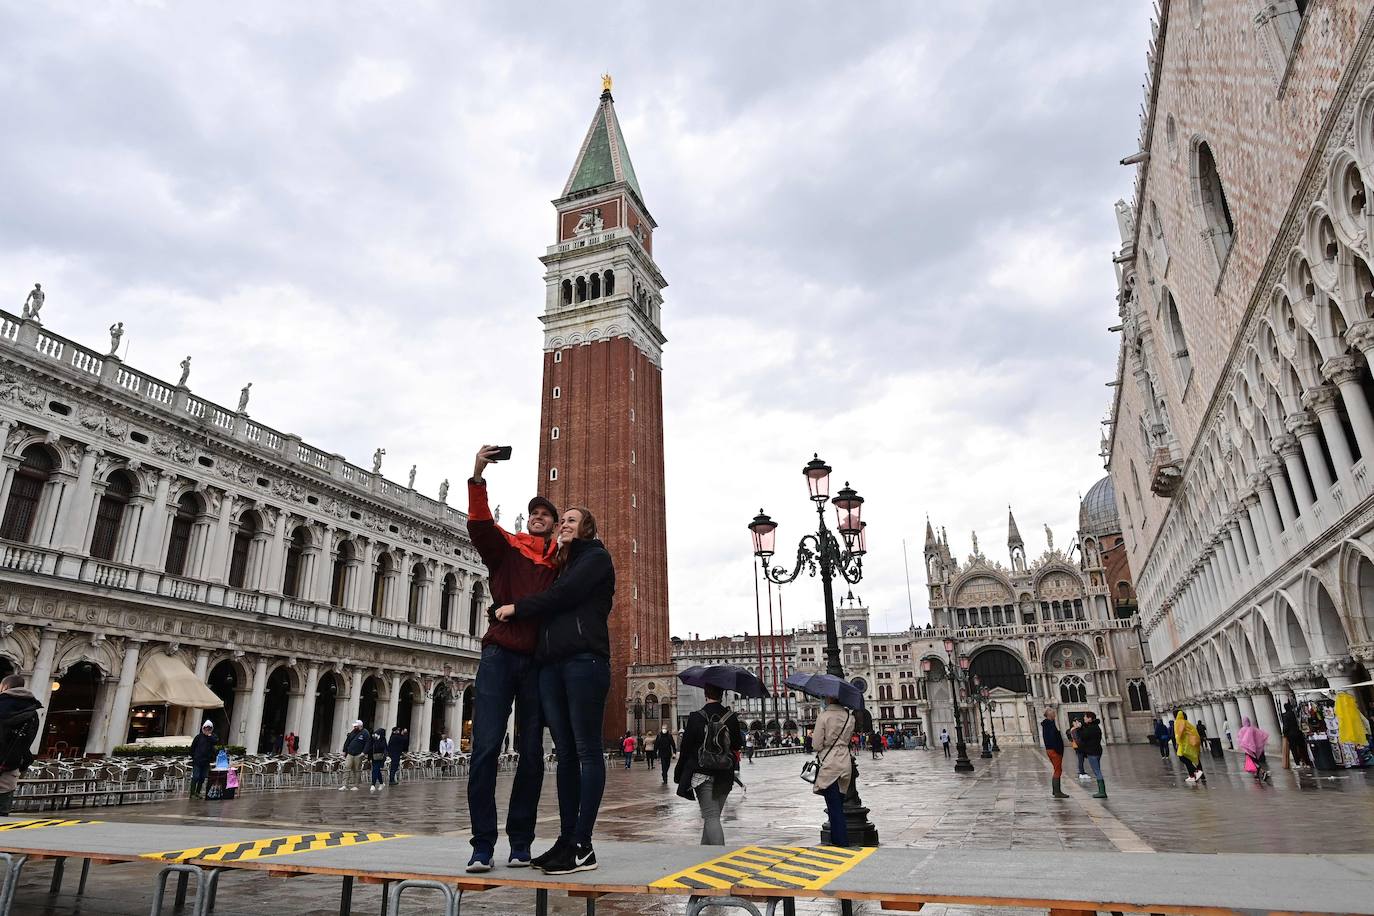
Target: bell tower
(601,424)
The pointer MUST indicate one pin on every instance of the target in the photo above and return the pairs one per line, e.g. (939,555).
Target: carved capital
(1361,335)
(1269,467)
(1301,424)
(1285,445)
(1341,369)
(1320,398)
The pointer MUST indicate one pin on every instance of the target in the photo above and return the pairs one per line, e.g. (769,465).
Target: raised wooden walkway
(748,877)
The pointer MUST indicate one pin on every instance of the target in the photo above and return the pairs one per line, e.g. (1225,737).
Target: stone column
(1265,716)
(149,551)
(1286,447)
(355,698)
(215,567)
(1283,496)
(1269,509)
(305,728)
(202,670)
(1345,372)
(1304,426)
(40,681)
(1232,709)
(253,726)
(123,697)
(1247,709)
(393,702)
(324,567)
(419,735)
(71,526)
(1321,399)
(1247,518)
(101,713)
(276,556)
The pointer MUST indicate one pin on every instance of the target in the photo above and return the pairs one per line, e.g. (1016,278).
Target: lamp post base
(987,749)
(962,764)
(861,830)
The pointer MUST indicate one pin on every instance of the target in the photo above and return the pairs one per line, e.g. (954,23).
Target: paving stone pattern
(916,800)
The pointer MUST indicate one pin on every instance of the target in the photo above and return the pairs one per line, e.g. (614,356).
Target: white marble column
(323,582)
(197,716)
(154,524)
(1266,717)
(1232,709)
(1345,372)
(253,721)
(355,698)
(419,735)
(118,728)
(393,702)
(305,728)
(40,681)
(1270,509)
(1286,447)
(275,561)
(1321,400)
(215,566)
(76,504)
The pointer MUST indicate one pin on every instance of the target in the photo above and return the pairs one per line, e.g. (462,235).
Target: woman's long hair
(586,530)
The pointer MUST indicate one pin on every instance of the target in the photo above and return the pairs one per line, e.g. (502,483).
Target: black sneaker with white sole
(552,853)
(578,857)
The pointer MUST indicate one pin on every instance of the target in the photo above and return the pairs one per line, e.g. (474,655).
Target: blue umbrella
(827,685)
(726,677)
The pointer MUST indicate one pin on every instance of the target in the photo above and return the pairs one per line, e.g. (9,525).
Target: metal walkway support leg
(14,864)
(85,873)
(59,866)
(452,902)
(346,896)
(207,883)
(541,902)
(696,904)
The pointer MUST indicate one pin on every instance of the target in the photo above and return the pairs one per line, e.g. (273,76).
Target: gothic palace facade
(1241,432)
(144,530)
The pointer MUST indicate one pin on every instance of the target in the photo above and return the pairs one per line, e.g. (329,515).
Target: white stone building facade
(1241,429)
(768,658)
(138,520)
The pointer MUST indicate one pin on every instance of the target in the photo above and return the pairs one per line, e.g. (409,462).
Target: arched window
(553,473)
(567,292)
(183,524)
(1211,197)
(379,577)
(1156,232)
(295,550)
(581,289)
(249,524)
(558,356)
(595,287)
(26,491)
(1072,689)
(339,579)
(557,392)
(608,283)
(1139,696)
(417,587)
(109,515)
(1178,343)
(553,433)
(474,607)
(446,601)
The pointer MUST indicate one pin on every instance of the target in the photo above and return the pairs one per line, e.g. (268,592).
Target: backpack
(17,732)
(716,754)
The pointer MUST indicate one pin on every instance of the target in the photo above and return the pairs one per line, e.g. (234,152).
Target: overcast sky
(887,230)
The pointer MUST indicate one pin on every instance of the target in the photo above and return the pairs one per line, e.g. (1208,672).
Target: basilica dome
(1097,513)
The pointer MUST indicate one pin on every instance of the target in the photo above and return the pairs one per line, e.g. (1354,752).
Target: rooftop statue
(377,460)
(243,398)
(185,372)
(116,332)
(33,304)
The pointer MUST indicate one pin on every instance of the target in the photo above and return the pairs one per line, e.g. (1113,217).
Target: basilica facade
(1241,429)
(165,559)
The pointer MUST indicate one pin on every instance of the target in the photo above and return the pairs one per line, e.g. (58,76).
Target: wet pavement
(916,800)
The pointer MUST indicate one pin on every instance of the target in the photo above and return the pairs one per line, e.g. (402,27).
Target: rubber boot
(1101,789)
(1058,792)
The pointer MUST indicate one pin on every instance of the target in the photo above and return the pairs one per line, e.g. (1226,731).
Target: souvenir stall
(1338,732)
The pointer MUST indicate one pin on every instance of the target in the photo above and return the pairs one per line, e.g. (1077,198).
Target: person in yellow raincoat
(1351,725)
(1189,744)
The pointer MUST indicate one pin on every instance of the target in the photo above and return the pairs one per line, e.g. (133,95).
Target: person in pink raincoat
(1252,741)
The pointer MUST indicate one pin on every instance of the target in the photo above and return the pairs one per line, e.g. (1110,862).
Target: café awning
(165,680)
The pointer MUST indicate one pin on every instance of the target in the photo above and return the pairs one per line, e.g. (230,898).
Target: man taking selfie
(518,565)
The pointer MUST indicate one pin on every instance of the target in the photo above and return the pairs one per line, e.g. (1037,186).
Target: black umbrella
(827,685)
(726,677)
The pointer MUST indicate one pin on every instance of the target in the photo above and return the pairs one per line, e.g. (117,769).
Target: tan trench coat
(834,725)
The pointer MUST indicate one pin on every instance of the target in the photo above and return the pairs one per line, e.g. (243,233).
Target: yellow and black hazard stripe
(43,822)
(775,867)
(272,846)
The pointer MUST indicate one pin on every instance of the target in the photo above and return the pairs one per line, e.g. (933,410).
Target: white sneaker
(352,788)
(372,788)
(341,788)
(1083,776)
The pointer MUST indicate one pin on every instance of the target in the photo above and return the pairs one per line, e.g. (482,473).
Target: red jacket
(518,565)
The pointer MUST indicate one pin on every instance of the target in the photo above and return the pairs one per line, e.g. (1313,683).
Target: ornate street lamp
(979,696)
(992,707)
(961,764)
(822,552)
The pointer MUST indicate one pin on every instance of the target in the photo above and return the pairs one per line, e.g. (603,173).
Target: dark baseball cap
(545,502)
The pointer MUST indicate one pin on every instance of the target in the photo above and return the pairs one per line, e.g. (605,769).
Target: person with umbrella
(706,768)
(834,727)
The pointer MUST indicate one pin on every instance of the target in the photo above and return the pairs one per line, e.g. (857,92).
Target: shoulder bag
(812,768)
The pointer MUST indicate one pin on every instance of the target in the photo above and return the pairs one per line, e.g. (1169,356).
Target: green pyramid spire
(603,157)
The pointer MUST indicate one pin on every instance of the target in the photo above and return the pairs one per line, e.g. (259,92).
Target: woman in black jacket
(710,785)
(574,653)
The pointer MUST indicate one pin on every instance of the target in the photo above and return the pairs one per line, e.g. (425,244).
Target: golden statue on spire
(605,82)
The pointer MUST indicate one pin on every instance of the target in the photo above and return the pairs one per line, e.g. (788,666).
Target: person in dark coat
(1292,733)
(664,749)
(355,747)
(202,756)
(709,787)
(1054,749)
(376,750)
(518,564)
(574,653)
(19,727)
(1162,737)
(396,745)
(1090,743)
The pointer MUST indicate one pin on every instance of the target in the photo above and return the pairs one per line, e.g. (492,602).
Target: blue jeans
(834,809)
(573,694)
(505,677)
(200,772)
(1095,761)
(395,769)
(629,758)
(377,772)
